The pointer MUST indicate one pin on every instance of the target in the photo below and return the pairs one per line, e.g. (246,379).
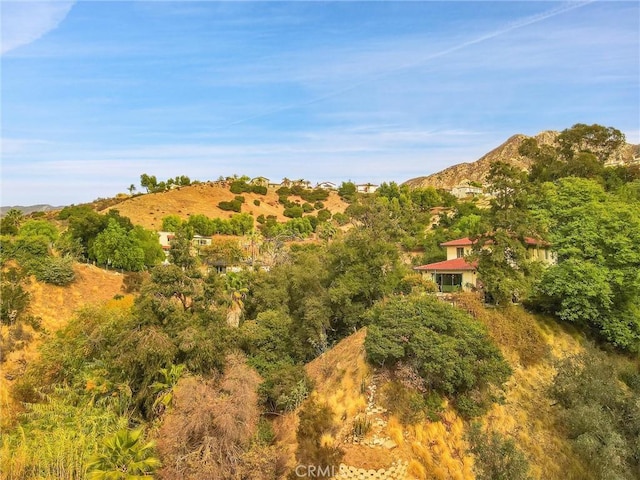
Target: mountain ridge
(506,152)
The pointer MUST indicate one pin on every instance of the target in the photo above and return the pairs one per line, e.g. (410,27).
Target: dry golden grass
(149,210)
(440,447)
(516,332)
(56,305)
(438,450)
(395,430)
(527,414)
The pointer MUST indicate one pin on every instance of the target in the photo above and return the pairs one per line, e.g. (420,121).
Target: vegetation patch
(450,351)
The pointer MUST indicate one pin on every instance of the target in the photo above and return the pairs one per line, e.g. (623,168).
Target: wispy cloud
(394,67)
(26,21)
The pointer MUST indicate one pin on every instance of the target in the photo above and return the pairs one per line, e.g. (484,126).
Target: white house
(366,188)
(465,189)
(327,185)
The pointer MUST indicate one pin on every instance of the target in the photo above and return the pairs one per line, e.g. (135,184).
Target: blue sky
(96,93)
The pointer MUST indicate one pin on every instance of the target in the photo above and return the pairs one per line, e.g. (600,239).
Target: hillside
(507,152)
(26,210)
(148,210)
(54,305)
(437,449)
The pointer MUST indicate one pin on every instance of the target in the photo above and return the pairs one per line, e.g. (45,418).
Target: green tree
(10,222)
(241,224)
(148,242)
(596,281)
(171,223)
(33,228)
(84,226)
(180,251)
(293,212)
(509,187)
(201,225)
(347,191)
(222,252)
(503,266)
(595,139)
(363,268)
(114,247)
(168,284)
(451,352)
(150,183)
(601,418)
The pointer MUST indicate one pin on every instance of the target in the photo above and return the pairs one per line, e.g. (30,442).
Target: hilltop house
(327,185)
(366,188)
(261,181)
(456,273)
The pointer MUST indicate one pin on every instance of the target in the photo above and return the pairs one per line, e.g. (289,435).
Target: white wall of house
(165,237)
(458,252)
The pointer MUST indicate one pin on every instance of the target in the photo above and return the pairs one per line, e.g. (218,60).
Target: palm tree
(125,458)
(237,291)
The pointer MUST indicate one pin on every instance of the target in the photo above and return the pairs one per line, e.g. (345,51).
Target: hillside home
(165,240)
(456,273)
(466,189)
(261,181)
(200,241)
(327,185)
(366,188)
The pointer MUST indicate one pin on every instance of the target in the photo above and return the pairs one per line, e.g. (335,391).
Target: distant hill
(29,209)
(507,152)
(149,209)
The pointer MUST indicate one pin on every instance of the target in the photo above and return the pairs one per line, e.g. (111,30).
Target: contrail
(509,28)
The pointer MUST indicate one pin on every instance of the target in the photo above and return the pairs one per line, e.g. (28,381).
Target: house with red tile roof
(458,273)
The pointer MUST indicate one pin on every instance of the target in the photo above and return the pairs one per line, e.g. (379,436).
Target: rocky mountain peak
(507,152)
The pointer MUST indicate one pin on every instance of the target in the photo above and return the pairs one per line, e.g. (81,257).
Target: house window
(460,252)
(449,282)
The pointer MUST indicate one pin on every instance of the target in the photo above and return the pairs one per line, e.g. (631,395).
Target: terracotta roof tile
(457,264)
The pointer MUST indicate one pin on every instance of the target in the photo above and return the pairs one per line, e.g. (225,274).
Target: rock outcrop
(507,152)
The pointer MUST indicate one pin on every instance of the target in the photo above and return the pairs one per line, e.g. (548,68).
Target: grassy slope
(433,449)
(55,306)
(149,210)
(437,449)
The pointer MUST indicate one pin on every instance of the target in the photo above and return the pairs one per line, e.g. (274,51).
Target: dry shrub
(417,470)
(263,463)
(315,430)
(510,327)
(208,432)
(395,430)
